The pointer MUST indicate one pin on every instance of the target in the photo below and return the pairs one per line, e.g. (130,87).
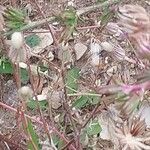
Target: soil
(125,72)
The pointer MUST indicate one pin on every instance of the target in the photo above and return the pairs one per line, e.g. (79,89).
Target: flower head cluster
(135,21)
(131,135)
(133,18)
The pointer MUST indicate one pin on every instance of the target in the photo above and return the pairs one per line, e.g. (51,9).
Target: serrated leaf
(34,137)
(32,104)
(80,102)
(5,67)
(93,99)
(94,128)
(32,40)
(69,17)
(71,79)
(85,100)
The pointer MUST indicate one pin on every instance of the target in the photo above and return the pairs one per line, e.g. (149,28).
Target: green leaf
(71,80)
(93,99)
(34,137)
(69,17)
(24,76)
(94,128)
(86,100)
(55,139)
(14,19)
(106,16)
(32,104)
(60,143)
(80,102)
(33,40)
(5,67)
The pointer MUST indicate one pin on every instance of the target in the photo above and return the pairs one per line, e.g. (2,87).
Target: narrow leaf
(34,136)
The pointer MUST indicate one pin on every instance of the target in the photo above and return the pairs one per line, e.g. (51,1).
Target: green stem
(96,6)
(32,25)
(79,12)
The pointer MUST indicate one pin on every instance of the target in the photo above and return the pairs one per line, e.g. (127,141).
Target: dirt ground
(125,71)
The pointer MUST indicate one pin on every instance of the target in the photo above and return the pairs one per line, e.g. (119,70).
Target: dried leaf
(80,49)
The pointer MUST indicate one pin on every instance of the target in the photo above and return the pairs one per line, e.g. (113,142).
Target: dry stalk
(11,142)
(68,111)
(39,122)
(49,26)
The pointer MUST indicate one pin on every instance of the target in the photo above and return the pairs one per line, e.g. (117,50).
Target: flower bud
(17,40)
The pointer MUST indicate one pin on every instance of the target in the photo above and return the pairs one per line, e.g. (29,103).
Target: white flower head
(17,40)
(25,92)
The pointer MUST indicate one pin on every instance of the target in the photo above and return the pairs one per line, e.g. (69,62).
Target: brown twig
(60,30)
(49,26)
(96,6)
(38,105)
(67,145)
(39,122)
(11,142)
(67,108)
(96,108)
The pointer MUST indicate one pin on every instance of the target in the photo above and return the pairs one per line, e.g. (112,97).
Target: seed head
(17,40)
(19,52)
(25,92)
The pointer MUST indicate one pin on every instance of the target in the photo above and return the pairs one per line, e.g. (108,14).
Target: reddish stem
(39,122)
